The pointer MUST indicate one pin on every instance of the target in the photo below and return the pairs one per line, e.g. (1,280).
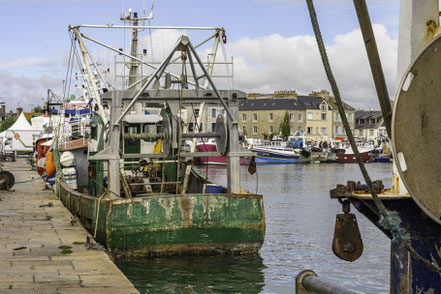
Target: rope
(389,220)
(43,175)
(97,214)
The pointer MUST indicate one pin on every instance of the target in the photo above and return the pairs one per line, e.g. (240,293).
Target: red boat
(210,146)
(348,155)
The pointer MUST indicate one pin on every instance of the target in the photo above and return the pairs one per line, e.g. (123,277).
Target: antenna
(128,16)
(150,17)
(122,9)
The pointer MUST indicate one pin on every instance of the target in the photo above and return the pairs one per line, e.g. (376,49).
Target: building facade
(261,115)
(369,125)
(315,115)
(338,130)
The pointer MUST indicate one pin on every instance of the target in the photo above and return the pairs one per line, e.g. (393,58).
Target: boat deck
(30,257)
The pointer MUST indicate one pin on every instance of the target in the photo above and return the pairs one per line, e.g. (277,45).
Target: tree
(37,109)
(285,128)
(8,122)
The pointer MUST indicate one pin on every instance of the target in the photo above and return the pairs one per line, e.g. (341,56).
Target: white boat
(275,152)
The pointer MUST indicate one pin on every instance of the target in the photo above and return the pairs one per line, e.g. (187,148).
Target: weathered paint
(182,224)
(158,225)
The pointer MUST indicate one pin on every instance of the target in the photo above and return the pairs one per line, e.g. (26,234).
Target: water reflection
(300,220)
(218,274)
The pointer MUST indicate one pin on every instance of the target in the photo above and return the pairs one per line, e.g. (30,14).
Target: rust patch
(186,210)
(432,30)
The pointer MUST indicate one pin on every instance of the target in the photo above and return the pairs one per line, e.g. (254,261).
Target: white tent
(20,136)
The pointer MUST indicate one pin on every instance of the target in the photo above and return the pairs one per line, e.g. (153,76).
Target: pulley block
(347,243)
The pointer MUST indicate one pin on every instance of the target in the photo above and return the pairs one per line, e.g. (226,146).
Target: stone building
(369,125)
(261,115)
(337,124)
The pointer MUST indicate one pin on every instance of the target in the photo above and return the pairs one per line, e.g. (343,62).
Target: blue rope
(43,175)
(392,223)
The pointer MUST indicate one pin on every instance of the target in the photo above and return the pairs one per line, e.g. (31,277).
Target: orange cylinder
(50,164)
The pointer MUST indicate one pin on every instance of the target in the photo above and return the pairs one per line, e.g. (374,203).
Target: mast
(134,80)
(134,66)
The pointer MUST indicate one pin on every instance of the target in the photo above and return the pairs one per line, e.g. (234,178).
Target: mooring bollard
(307,282)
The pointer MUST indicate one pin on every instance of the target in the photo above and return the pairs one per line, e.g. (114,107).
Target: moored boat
(153,202)
(347,154)
(276,152)
(210,146)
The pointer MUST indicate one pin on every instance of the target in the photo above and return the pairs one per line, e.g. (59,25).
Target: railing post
(308,282)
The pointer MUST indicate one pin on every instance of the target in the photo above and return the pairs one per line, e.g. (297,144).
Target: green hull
(169,224)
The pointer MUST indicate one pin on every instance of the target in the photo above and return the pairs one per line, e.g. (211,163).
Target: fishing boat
(409,212)
(383,153)
(144,197)
(210,146)
(346,154)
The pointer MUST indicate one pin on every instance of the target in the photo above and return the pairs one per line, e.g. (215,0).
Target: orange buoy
(50,164)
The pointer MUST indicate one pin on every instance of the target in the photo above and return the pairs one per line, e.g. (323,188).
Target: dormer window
(323,106)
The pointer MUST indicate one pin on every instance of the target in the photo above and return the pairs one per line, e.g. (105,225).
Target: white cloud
(21,91)
(263,64)
(26,62)
(274,63)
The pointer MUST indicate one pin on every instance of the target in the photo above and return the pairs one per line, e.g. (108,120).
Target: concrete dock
(31,259)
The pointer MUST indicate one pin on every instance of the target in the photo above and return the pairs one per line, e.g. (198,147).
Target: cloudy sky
(271,40)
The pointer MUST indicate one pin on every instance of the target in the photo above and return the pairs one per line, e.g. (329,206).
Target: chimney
(19,111)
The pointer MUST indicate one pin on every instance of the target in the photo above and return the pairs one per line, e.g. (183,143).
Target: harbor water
(300,219)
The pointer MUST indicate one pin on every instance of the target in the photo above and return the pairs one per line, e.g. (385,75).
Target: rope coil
(392,223)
